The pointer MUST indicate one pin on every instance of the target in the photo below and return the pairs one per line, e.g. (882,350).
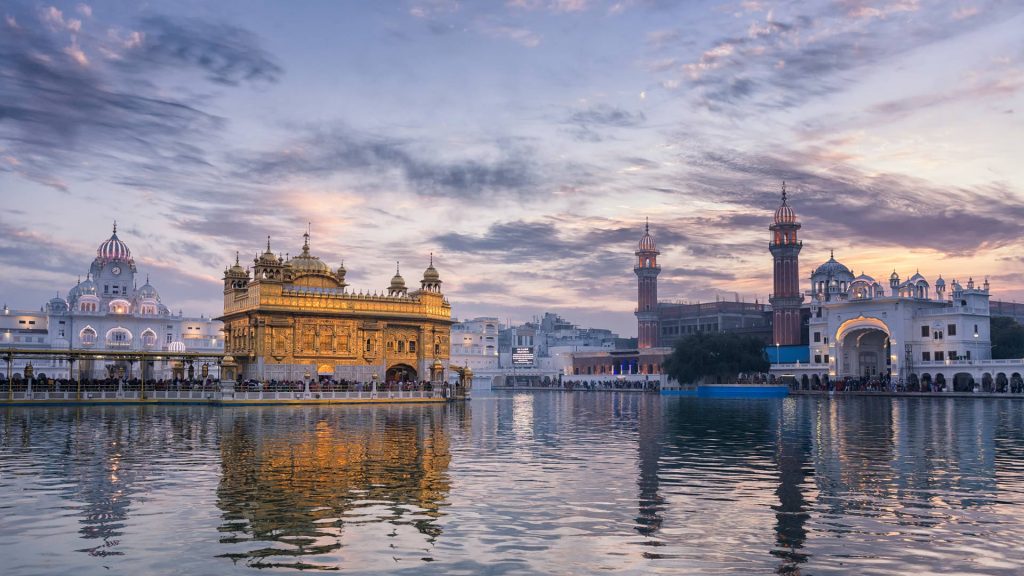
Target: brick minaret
(786,298)
(647,271)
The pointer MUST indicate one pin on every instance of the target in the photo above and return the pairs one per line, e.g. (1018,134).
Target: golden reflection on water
(293,481)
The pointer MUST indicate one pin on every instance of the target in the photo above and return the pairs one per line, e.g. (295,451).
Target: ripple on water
(518,484)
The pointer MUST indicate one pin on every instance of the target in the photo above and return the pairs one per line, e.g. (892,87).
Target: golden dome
(397,282)
(305,262)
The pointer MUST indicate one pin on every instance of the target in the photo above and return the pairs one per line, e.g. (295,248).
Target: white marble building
(107,311)
(912,330)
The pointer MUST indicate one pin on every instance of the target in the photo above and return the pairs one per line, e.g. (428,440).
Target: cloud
(60,111)
(881,209)
(804,51)
(325,152)
(522,36)
(227,54)
(586,123)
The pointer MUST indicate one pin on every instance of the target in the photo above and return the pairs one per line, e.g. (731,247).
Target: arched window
(148,338)
(120,306)
(412,345)
(87,336)
(369,345)
(401,346)
(119,337)
(647,263)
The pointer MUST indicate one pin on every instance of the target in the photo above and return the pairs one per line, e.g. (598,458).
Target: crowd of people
(587,384)
(885,383)
(332,385)
(106,384)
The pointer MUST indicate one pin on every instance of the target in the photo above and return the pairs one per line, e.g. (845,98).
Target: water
(544,483)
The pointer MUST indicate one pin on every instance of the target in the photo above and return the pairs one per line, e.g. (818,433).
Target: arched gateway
(863,348)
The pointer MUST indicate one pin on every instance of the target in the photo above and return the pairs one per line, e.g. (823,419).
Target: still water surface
(545,483)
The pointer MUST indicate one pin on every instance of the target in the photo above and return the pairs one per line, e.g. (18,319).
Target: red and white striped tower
(647,270)
(786,298)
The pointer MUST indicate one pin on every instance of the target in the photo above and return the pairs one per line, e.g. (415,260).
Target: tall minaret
(647,271)
(786,299)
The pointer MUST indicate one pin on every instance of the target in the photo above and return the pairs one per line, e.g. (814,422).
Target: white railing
(208,395)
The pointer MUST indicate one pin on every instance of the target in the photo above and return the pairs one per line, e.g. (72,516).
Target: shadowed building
(295,319)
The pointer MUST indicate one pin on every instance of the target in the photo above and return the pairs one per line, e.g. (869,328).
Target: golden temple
(293,319)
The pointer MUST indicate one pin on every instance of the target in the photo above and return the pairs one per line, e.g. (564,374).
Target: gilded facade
(295,318)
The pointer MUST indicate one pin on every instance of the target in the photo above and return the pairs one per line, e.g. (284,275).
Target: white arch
(109,335)
(119,306)
(82,332)
(148,332)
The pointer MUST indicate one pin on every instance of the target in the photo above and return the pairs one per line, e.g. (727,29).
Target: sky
(522,143)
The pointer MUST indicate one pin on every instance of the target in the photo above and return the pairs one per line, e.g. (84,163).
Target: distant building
(108,311)
(661,324)
(912,330)
(1013,310)
(677,321)
(475,344)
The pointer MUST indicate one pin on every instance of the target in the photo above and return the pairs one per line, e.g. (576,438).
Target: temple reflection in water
(532,483)
(292,480)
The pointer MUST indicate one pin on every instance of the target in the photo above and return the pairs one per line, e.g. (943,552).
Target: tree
(1007,338)
(718,355)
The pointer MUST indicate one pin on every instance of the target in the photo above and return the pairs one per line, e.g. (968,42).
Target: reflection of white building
(107,311)
(912,330)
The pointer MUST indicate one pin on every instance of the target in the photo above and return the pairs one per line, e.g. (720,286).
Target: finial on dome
(147,278)
(268,243)
(396,268)
(236,258)
(431,258)
(783,191)
(831,254)
(647,224)
(115,226)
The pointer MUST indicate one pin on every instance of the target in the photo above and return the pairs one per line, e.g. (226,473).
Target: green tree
(716,356)
(1007,338)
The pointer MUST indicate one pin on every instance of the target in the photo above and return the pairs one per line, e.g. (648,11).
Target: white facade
(107,311)
(910,332)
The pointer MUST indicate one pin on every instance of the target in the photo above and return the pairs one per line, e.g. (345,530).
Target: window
(968,356)
(939,356)
(817,336)
(951,329)
(926,356)
(401,346)
(825,358)
(817,358)
(87,336)
(412,345)
(924,331)
(369,345)
(168,338)
(975,329)
(951,354)
(31,321)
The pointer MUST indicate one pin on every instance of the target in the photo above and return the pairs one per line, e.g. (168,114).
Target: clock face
(116,270)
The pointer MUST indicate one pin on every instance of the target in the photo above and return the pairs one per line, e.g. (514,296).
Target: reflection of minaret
(792,454)
(650,435)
